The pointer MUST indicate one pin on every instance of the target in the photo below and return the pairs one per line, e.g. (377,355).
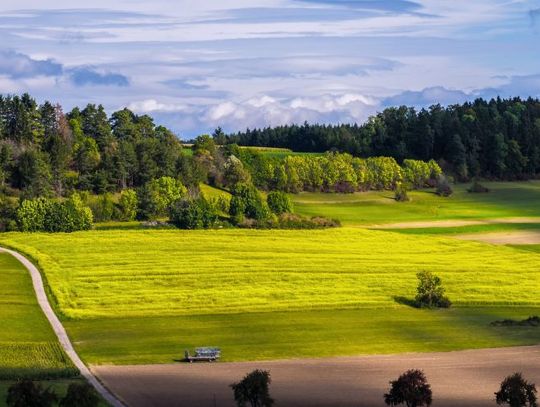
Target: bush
(253,389)
(401,194)
(45,215)
(127,205)
(8,215)
(194,214)
(26,393)
(279,202)
(157,196)
(477,188)
(430,293)
(443,187)
(103,208)
(80,395)
(247,202)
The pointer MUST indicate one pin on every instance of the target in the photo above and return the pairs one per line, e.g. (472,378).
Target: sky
(197,65)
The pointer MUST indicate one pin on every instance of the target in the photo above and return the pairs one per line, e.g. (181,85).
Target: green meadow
(143,296)
(28,346)
(506,199)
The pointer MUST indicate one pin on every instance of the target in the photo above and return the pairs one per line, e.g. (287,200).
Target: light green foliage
(419,173)
(28,347)
(158,195)
(247,202)
(234,172)
(127,205)
(194,214)
(42,214)
(103,208)
(279,202)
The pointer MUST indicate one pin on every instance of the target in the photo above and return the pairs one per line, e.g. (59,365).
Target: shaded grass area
(106,274)
(535,248)
(28,346)
(278,335)
(59,387)
(506,199)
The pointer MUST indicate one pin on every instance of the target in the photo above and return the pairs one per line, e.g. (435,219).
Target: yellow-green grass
(506,199)
(214,193)
(28,346)
(134,296)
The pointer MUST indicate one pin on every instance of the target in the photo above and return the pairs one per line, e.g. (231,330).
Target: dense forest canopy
(498,139)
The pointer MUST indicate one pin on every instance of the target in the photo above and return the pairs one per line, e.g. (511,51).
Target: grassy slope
(28,345)
(338,284)
(375,207)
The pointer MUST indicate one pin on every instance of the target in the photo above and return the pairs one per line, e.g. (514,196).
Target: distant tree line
(496,139)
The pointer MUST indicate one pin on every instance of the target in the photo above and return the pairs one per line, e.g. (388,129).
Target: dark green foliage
(477,188)
(515,391)
(279,202)
(443,187)
(247,202)
(80,395)
(430,292)
(8,214)
(411,389)
(253,390)
(401,194)
(194,214)
(531,321)
(493,139)
(26,393)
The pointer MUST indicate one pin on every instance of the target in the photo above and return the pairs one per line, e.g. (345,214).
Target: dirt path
(451,223)
(465,378)
(59,329)
(513,237)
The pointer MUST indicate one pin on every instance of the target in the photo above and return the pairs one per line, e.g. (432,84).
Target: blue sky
(196,65)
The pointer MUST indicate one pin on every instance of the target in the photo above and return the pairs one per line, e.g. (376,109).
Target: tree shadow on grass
(410,302)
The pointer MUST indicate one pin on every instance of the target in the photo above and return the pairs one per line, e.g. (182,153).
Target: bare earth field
(464,378)
(513,237)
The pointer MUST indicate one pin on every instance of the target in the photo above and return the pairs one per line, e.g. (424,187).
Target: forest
(496,139)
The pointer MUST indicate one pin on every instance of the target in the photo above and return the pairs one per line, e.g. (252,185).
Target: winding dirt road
(458,379)
(59,330)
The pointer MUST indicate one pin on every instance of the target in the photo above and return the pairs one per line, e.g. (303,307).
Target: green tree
(516,392)
(253,390)
(411,389)
(127,205)
(158,195)
(279,202)
(32,213)
(194,214)
(247,201)
(26,393)
(80,395)
(430,292)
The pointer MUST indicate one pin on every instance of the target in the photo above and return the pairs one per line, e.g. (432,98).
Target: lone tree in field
(517,392)
(253,389)
(80,395)
(25,393)
(411,389)
(430,292)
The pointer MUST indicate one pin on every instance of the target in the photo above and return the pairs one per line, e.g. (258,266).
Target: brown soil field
(464,378)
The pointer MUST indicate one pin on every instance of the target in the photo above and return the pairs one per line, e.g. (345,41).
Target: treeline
(45,152)
(496,139)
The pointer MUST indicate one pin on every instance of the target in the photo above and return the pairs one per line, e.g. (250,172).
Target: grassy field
(28,346)
(376,207)
(277,294)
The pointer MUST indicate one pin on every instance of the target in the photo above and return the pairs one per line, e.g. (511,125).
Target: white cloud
(152,105)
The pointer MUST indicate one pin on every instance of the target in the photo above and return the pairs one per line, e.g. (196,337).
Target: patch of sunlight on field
(171,272)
